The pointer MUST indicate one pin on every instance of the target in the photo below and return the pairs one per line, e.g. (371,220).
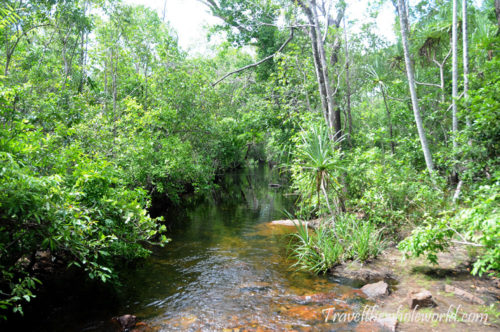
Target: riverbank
(460,301)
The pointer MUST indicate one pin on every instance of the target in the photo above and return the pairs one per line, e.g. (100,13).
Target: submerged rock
(375,290)
(125,323)
(319,298)
(255,287)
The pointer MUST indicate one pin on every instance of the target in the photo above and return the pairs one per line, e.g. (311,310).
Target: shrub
(476,225)
(333,243)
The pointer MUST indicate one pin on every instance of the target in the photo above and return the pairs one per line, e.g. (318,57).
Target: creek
(226,267)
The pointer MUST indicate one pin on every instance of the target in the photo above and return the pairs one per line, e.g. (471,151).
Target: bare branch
(467,243)
(397,99)
(289,26)
(258,62)
(428,84)
(441,64)
(458,98)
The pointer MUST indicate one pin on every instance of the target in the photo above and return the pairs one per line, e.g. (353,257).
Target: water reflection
(225,268)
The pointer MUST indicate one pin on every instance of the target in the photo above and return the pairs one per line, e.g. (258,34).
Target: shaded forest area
(101,111)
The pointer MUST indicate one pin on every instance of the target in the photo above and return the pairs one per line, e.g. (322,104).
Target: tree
(318,37)
(411,83)
(465,40)
(454,94)
(250,22)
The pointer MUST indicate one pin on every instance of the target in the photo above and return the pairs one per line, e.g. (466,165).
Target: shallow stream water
(225,268)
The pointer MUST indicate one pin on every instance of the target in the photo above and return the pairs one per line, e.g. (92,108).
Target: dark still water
(225,268)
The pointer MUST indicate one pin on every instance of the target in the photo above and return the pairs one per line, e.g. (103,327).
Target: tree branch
(458,98)
(428,84)
(258,62)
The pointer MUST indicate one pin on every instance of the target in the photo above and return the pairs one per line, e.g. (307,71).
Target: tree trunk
(411,82)
(7,63)
(332,115)
(454,84)
(389,120)
(114,63)
(105,103)
(348,87)
(465,39)
(330,111)
(497,11)
(146,84)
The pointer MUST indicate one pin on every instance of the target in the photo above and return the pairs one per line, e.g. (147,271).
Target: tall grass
(334,243)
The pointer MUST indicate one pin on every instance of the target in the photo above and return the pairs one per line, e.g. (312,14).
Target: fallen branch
(258,62)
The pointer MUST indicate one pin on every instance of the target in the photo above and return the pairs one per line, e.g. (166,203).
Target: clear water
(225,268)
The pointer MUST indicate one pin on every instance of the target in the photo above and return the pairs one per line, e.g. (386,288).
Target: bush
(476,225)
(333,243)
(76,206)
(388,192)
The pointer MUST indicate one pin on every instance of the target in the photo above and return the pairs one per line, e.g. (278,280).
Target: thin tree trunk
(348,86)
(466,58)
(146,84)
(82,60)
(332,118)
(114,64)
(105,104)
(389,120)
(164,10)
(330,111)
(497,11)
(325,193)
(82,52)
(7,63)
(454,84)
(413,92)
(441,80)
(317,62)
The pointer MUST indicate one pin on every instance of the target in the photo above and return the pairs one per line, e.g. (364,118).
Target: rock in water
(286,222)
(388,323)
(125,322)
(420,299)
(376,289)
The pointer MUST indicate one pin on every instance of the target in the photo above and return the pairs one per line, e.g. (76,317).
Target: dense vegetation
(101,112)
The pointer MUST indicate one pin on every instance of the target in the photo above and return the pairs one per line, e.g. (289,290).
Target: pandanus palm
(320,159)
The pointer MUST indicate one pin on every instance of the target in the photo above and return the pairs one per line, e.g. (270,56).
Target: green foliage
(100,113)
(317,166)
(91,131)
(475,225)
(480,158)
(345,238)
(389,192)
(80,211)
